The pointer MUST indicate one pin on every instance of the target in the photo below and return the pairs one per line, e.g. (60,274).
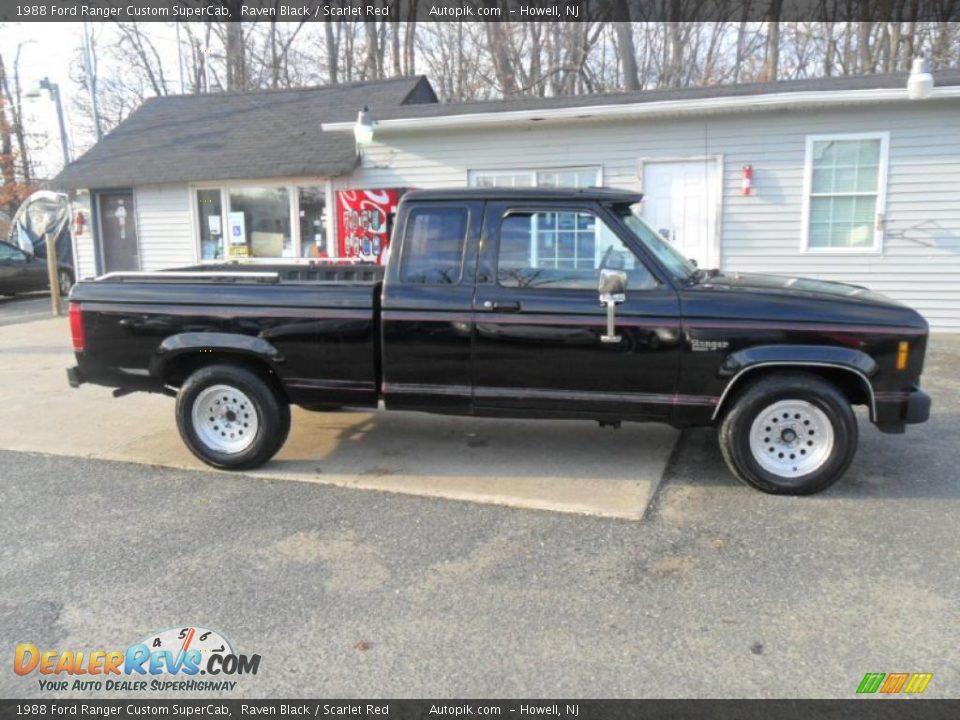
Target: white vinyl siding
(164,228)
(86,254)
(918,262)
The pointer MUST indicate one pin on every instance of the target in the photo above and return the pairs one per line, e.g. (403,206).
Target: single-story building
(844,179)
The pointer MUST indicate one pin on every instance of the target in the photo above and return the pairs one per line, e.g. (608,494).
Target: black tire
(272,416)
(758,399)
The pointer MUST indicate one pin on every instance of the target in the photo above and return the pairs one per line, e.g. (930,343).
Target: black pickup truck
(514,303)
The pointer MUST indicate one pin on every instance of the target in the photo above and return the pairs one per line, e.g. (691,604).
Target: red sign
(362,222)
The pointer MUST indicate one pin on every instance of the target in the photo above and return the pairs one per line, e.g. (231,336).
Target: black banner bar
(481,10)
(875,708)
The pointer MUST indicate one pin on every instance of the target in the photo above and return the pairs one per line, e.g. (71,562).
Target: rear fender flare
(739,365)
(202,343)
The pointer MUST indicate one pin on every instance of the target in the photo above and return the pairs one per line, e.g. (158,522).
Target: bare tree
(13,96)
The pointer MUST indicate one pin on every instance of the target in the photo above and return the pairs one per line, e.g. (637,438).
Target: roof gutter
(726,104)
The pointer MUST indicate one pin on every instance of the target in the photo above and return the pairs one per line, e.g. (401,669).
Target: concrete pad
(562,466)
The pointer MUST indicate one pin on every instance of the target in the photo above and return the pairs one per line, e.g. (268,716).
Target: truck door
(426,317)
(542,344)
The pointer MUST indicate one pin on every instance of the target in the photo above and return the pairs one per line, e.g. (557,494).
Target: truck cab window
(564,250)
(433,246)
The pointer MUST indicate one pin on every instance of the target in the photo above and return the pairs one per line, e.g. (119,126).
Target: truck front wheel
(789,434)
(231,418)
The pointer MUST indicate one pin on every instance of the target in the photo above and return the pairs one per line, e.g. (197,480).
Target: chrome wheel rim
(225,419)
(791,438)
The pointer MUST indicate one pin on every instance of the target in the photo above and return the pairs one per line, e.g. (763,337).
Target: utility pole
(180,59)
(53,274)
(89,67)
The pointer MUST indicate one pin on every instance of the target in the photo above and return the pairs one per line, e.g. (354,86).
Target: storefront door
(118,232)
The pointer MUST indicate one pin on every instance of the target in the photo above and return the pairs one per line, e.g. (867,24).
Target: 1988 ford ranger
(514,303)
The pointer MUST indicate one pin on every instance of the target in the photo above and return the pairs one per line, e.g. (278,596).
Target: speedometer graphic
(184,639)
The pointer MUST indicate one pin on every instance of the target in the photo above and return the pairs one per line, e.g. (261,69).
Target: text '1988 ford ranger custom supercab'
(529,303)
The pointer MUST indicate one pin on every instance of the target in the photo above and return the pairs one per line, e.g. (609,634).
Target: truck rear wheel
(789,434)
(231,418)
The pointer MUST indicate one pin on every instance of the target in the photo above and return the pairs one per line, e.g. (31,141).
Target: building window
(502,179)
(550,177)
(312,204)
(846,182)
(563,250)
(263,221)
(210,215)
(433,246)
(259,222)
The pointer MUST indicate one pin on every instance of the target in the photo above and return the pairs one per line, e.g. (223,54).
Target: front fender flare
(740,363)
(190,343)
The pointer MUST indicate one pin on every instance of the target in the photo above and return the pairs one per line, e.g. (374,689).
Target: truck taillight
(76,327)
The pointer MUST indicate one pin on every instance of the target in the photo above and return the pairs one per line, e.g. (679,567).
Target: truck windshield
(674,263)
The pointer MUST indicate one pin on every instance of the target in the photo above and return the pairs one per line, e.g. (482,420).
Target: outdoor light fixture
(363,128)
(920,84)
(54,90)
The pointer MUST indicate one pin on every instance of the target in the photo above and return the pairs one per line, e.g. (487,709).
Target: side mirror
(612,286)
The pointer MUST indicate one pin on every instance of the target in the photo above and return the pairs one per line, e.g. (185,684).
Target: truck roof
(596,194)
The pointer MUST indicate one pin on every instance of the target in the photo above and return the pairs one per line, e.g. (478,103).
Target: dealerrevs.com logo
(168,660)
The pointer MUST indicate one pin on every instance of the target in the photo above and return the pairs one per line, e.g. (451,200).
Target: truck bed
(315,326)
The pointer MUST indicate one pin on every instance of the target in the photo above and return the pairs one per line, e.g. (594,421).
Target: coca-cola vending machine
(364,219)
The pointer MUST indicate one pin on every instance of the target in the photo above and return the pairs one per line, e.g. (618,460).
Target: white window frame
(472,175)
(880,218)
(291,186)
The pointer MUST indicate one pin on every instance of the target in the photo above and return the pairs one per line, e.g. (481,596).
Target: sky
(47,50)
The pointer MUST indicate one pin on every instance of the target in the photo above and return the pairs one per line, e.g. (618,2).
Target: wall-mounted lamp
(920,84)
(363,128)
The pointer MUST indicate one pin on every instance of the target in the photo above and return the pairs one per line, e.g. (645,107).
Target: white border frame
(880,219)
(716,241)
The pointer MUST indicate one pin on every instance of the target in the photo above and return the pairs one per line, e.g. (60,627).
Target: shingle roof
(942,78)
(271,133)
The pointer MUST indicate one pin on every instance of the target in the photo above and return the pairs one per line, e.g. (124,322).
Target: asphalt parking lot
(718,591)
(24,308)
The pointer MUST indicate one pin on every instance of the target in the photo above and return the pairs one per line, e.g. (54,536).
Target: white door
(680,201)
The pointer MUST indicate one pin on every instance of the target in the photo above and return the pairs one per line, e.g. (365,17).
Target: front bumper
(896,410)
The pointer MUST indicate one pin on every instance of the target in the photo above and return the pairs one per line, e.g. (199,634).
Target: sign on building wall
(362,221)
(238,235)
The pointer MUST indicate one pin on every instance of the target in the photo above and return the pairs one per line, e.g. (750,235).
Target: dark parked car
(514,303)
(21,272)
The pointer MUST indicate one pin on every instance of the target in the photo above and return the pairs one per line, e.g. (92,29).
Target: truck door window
(563,250)
(433,246)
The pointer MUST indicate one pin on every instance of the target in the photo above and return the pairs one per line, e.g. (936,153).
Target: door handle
(501,306)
